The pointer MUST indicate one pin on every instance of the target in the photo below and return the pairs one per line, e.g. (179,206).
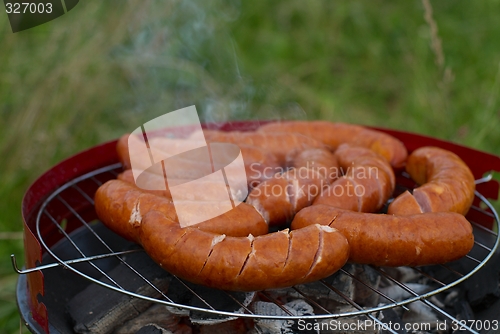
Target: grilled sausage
(320,160)
(387,240)
(244,263)
(220,254)
(367,183)
(121,206)
(335,134)
(447,184)
(150,181)
(283,145)
(199,191)
(259,163)
(279,198)
(273,260)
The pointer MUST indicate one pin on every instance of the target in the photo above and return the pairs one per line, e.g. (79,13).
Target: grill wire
(78,193)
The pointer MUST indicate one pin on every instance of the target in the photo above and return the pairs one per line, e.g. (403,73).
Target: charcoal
(392,319)
(343,283)
(220,301)
(181,312)
(464,311)
(153,329)
(452,296)
(296,307)
(420,313)
(204,318)
(237,326)
(402,274)
(436,300)
(98,309)
(156,314)
(483,287)
(361,324)
(321,292)
(397,293)
(351,325)
(451,301)
(366,277)
(186,293)
(489,314)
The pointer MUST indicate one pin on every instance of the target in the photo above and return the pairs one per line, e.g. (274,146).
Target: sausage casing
(387,240)
(335,134)
(446,183)
(121,207)
(367,183)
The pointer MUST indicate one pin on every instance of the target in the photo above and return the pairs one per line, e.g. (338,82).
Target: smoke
(183,53)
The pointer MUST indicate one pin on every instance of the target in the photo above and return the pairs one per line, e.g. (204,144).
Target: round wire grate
(75,200)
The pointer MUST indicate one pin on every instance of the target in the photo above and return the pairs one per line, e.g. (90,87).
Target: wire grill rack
(74,200)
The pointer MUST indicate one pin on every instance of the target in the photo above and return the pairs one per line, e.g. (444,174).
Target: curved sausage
(447,184)
(150,180)
(279,198)
(320,160)
(367,183)
(244,263)
(259,163)
(386,240)
(335,134)
(274,260)
(200,191)
(283,145)
(121,206)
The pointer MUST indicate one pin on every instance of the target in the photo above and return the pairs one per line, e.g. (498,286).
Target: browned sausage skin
(387,240)
(367,183)
(320,160)
(121,205)
(234,252)
(243,263)
(273,260)
(447,184)
(260,164)
(283,145)
(335,134)
(279,198)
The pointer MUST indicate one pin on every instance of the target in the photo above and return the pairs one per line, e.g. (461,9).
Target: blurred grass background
(107,66)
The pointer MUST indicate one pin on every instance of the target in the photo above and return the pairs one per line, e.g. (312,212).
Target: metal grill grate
(74,200)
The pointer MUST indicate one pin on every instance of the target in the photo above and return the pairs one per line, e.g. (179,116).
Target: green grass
(106,67)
